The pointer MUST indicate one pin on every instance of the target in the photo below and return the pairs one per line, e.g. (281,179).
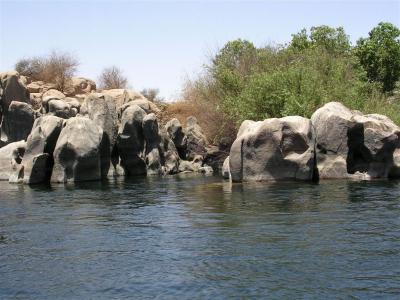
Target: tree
(379,54)
(334,40)
(56,67)
(112,78)
(151,94)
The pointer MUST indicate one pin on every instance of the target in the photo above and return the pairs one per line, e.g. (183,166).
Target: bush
(57,68)
(152,95)
(112,78)
(244,82)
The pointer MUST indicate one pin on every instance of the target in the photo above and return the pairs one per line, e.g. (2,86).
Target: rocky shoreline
(335,143)
(84,134)
(47,136)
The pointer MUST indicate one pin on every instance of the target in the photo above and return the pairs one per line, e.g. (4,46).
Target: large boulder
(169,155)
(101,109)
(196,140)
(38,159)
(60,108)
(178,136)
(146,105)
(81,85)
(123,96)
(12,89)
(130,141)
(273,149)
(17,122)
(152,150)
(10,157)
(352,145)
(77,152)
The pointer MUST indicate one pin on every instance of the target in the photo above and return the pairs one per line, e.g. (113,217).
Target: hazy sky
(159,43)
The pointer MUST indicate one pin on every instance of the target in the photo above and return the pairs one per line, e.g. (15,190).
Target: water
(200,238)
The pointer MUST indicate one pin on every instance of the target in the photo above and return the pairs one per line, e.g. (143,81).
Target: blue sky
(160,43)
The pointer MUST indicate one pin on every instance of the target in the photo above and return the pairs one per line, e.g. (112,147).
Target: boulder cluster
(82,134)
(335,143)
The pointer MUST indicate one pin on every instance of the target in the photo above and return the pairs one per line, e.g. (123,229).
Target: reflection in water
(200,237)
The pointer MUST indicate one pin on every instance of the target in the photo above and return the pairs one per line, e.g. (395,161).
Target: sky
(160,44)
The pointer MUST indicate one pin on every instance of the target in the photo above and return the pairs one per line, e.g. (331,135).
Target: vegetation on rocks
(243,81)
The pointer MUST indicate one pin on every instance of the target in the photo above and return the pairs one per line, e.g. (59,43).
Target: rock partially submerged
(274,149)
(77,152)
(336,143)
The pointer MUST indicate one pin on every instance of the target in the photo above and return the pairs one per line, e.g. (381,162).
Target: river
(195,237)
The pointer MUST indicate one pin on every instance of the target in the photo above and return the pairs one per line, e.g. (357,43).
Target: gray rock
(38,159)
(152,139)
(59,108)
(169,155)
(273,149)
(352,145)
(10,157)
(17,122)
(225,169)
(130,141)
(176,133)
(102,110)
(196,140)
(12,89)
(77,152)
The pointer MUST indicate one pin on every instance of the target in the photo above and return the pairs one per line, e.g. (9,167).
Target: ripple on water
(200,237)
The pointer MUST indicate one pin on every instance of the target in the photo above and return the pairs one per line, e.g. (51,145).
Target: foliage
(379,54)
(112,78)
(245,82)
(56,67)
(152,95)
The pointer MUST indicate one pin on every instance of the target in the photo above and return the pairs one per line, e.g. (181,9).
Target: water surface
(200,238)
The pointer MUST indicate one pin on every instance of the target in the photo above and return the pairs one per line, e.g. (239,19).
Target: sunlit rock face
(273,149)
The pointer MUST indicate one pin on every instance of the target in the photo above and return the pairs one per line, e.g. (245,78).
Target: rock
(169,154)
(12,89)
(40,87)
(196,140)
(101,109)
(207,170)
(215,157)
(146,105)
(73,102)
(225,169)
(352,145)
(123,96)
(38,159)
(176,133)
(59,108)
(36,100)
(77,152)
(17,122)
(273,149)
(188,166)
(152,151)
(53,94)
(11,156)
(130,141)
(120,96)
(82,85)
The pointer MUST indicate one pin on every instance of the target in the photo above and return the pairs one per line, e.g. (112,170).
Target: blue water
(200,237)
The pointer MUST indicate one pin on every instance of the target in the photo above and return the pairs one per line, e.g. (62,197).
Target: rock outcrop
(77,152)
(130,141)
(10,160)
(101,109)
(352,145)
(273,149)
(38,158)
(17,122)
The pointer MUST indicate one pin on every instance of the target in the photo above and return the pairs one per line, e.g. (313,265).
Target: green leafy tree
(333,40)
(379,54)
